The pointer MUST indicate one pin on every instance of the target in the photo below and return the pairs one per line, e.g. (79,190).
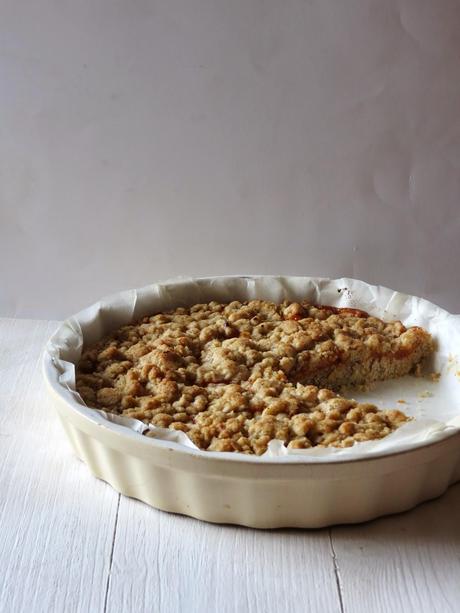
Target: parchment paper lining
(434,405)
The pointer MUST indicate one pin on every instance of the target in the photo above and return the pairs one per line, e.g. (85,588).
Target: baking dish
(268,492)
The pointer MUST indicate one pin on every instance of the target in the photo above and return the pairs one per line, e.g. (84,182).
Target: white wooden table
(69,543)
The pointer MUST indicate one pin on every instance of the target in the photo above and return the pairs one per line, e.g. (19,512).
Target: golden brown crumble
(236,376)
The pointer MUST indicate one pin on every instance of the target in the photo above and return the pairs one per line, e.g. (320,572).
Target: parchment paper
(435,405)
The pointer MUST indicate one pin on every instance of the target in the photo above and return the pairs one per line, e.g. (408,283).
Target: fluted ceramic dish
(262,492)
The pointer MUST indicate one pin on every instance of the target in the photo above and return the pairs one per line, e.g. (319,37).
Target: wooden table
(68,542)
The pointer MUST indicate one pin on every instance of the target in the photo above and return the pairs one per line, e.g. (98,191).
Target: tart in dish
(235,376)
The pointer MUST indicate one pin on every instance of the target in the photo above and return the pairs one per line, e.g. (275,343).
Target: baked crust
(235,376)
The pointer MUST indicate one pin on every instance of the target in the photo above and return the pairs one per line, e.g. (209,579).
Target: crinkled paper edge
(94,322)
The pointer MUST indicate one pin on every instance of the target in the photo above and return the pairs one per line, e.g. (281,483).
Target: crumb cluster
(235,376)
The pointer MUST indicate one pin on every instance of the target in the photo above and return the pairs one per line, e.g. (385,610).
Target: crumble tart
(235,376)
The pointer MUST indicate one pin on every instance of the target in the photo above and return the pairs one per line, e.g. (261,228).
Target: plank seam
(338,577)
(109,576)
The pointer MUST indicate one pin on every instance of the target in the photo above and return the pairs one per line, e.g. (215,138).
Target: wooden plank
(169,563)
(56,520)
(408,562)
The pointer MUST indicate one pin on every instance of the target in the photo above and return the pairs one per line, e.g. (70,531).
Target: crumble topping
(235,376)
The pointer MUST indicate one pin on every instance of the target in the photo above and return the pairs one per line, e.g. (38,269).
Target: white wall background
(144,139)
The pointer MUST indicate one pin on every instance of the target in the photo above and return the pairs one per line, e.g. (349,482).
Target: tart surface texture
(235,376)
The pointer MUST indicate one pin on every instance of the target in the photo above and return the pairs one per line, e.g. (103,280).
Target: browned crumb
(235,376)
(435,376)
(402,401)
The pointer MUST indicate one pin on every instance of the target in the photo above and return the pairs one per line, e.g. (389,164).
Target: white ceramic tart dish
(308,488)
